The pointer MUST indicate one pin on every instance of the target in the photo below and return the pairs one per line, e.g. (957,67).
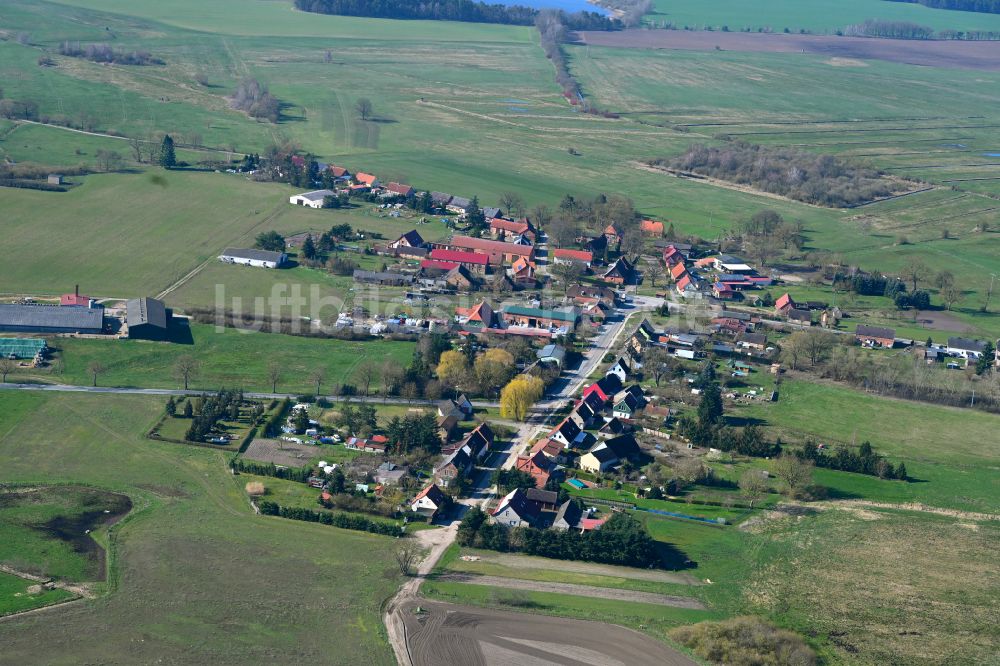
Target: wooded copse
(253,97)
(454,10)
(817,179)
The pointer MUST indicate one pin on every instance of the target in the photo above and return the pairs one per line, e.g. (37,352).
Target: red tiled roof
(677,270)
(440,265)
(498,223)
(491,246)
(547,447)
(784,301)
(576,255)
(707,261)
(74,299)
(337,171)
(652,227)
(365,178)
(683,282)
(399,188)
(460,256)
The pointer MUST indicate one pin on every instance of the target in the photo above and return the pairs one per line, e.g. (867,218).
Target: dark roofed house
(620,272)
(50,319)
(568,516)
(875,336)
(441,199)
(754,341)
(966,347)
(410,239)
(546,499)
(148,318)
(800,316)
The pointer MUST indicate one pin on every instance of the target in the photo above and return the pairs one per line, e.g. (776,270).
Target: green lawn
(194,572)
(15,597)
(227,358)
(822,16)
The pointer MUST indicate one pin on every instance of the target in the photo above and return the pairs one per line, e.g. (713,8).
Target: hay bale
(255,489)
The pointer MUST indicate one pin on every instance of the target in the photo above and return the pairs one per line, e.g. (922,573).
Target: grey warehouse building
(50,319)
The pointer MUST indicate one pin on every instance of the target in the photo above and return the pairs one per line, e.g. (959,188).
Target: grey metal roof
(145,310)
(51,317)
(875,331)
(966,344)
(249,253)
(318,195)
(460,202)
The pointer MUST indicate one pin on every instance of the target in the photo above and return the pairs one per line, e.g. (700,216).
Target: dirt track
(945,54)
(447,634)
(527,561)
(578,590)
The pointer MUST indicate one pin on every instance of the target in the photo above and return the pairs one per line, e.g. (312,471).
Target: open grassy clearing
(823,16)
(229,358)
(19,594)
(781,565)
(195,575)
(950,452)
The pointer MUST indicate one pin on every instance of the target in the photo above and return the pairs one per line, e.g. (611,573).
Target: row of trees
(300,474)
(105,53)
(453,10)
(863,461)
(889,30)
(622,540)
(413,431)
(817,179)
(342,520)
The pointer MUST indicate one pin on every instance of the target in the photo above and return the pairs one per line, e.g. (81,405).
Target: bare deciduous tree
(273,375)
(795,472)
(364,108)
(365,374)
(753,486)
(316,377)
(407,556)
(186,367)
(95,368)
(654,271)
(7,366)
(512,203)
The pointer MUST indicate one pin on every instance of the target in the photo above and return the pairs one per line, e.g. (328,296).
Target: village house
(651,228)
(686,285)
(522,271)
(461,279)
(338,172)
(398,190)
(605,388)
(627,406)
(551,449)
(498,252)
(366,180)
(586,294)
(312,199)
(784,304)
(621,272)
(583,258)
(453,467)
(725,263)
(516,510)
(472,261)
(875,336)
(440,199)
(538,466)
(568,516)
(429,501)
(447,427)
(252,257)
(503,229)
(803,317)
(583,414)
(672,256)
(389,474)
(609,453)
(756,341)
(613,234)
(547,500)
(517,315)
(410,239)
(566,433)
(621,367)
(612,427)
(480,316)
(458,205)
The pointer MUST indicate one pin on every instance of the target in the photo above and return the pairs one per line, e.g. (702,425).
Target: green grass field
(822,16)
(228,359)
(16,597)
(194,573)
(951,452)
